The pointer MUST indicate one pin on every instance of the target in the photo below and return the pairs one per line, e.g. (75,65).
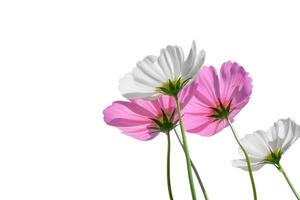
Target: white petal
(150,67)
(288,134)
(272,138)
(133,90)
(143,78)
(164,65)
(190,61)
(296,133)
(260,144)
(193,63)
(171,60)
(242,163)
(198,64)
(153,72)
(256,145)
(283,134)
(139,95)
(176,59)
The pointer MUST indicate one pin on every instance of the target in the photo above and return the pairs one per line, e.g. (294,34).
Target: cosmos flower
(165,74)
(217,98)
(268,147)
(145,119)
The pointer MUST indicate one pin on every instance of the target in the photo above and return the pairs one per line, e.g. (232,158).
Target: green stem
(288,181)
(186,151)
(247,159)
(194,169)
(168,167)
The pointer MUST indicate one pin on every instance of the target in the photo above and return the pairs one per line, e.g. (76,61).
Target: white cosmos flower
(268,147)
(153,72)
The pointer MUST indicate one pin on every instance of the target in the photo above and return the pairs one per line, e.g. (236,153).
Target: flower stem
(279,167)
(168,167)
(247,159)
(186,150)
(194,169)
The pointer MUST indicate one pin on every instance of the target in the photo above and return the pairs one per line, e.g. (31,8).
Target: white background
(60,62)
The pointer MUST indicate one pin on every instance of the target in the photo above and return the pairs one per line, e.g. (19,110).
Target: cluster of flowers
(170,90)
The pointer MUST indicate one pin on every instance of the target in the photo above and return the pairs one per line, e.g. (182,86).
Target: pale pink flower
(217,98)
(136,118)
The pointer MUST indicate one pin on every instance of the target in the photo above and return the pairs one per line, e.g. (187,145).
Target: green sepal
(172,88)
(165,124)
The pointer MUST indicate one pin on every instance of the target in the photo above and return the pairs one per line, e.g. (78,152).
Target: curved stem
(247,159)
(168,167)
(194,169)
(186,151)
(288,181)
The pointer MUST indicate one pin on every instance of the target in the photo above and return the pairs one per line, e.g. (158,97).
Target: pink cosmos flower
(217,98)
(144,119)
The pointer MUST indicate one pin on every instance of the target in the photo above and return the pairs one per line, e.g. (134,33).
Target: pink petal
(203,125)
(130,118)
(133,117)
(186,95)
(208,90)
(234,85)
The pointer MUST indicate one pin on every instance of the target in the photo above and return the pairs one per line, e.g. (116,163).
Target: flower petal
(208,87)
(151,68)
(255,145)
(131,89)
(283,134)
(267,147)
(235,84)
(154,72)
(196,67)
(190,61)
(242,163)
(193,63)
(186,95)
(197,121)
(130,118)
(233,88)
